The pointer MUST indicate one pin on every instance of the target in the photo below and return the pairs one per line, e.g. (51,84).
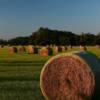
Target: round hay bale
(83,48)
(63,48)
(2,46)
(55,48)
(98,46)
(30,49)
(70,76)
(22,49)
(12,50)
(44,51)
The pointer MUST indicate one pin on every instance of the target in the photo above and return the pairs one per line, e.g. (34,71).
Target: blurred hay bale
(83,48)
(43,51)
(97,46)
(30,49)
(2,46)
(70,47)
(69,76)
(55,49)
(12,50)
(22,49)
(63,48)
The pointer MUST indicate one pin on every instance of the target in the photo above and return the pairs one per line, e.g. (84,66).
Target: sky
(22,17)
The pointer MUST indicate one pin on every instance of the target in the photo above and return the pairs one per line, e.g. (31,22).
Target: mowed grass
(19,74)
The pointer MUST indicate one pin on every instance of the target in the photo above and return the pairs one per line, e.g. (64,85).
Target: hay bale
(2,46)
(70,47)
(30,49)
(97,46)
(22,49)
(63,48)
(12,50)
(55,49)
(83,48)
(43,51)
(70,76)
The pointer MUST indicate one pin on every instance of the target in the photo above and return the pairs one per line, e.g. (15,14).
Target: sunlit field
(20,72)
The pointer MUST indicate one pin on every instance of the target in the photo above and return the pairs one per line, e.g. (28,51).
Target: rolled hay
(30,49)
(83,48)
(63,48)
(55,49)
(22,49)
(98,46)
(70,47)
(12,50)
(71,76)
(44,51)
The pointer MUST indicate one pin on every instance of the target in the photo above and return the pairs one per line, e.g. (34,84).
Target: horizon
(22,17)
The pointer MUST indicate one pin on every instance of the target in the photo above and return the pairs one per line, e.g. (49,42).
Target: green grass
(19,74)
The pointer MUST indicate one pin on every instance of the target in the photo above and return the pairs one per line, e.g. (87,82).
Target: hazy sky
(22,17)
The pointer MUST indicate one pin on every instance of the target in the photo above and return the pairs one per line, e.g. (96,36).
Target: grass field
(19,74)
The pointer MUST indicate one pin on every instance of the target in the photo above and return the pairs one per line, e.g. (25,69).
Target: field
(19,74)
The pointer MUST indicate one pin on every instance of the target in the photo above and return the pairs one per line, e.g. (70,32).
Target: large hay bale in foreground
(70,76)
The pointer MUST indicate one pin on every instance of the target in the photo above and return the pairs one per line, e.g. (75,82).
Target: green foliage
(45,36)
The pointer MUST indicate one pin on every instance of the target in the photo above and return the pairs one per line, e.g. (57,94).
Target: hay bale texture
(70,76)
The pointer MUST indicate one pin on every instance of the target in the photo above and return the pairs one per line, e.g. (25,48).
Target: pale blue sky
(22,17)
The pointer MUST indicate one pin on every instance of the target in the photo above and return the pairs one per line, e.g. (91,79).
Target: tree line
(46,36)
